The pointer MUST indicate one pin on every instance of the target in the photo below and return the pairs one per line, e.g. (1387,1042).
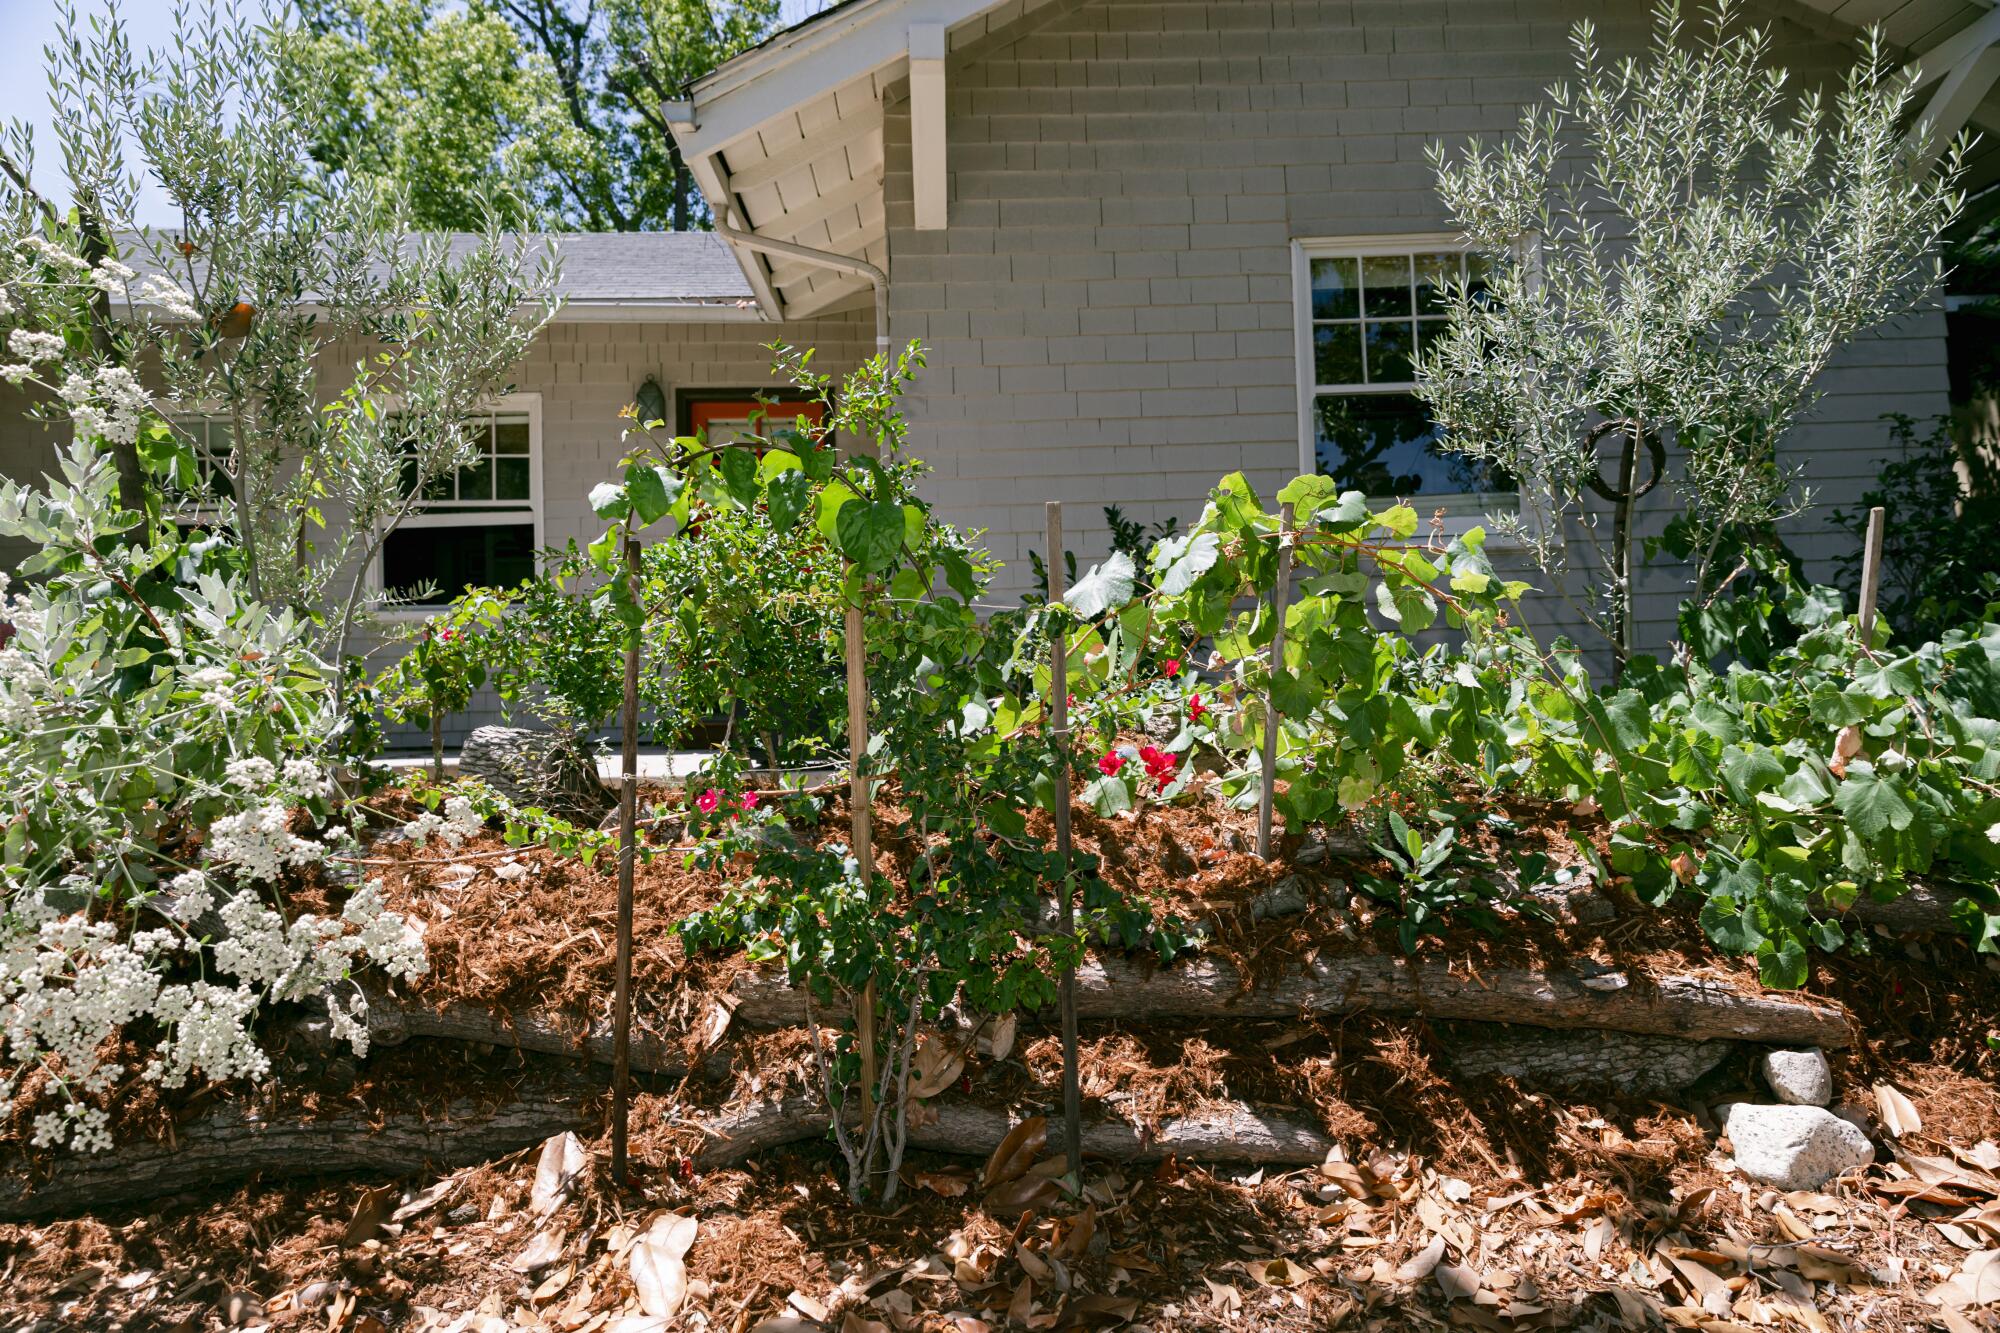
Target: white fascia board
(713,181)
(766,83)
(658,312)
(1957,50)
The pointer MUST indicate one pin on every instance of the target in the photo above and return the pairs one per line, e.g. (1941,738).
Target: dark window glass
(1335,288)
(512,478)
(447,561)
(1337,354)
(1435,274)
(1390,345)
(1385,285)
(1385,446)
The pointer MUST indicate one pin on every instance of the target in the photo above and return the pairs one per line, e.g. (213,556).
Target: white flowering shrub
(161,735)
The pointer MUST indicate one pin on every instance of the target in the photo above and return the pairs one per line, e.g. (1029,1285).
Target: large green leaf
(651,489)
(1105,588)
(1871,803)
(1181,560)
(786,495)
(870,533)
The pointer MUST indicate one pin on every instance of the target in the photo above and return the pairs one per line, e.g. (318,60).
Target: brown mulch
(1459,1203)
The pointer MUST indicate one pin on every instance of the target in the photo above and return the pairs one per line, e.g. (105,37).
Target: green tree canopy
(560,100)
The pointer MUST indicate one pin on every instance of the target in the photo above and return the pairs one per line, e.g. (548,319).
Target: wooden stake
(437,746)
(1059,732)
(859,805)
(628,851)
(1871,573)
(1280,595)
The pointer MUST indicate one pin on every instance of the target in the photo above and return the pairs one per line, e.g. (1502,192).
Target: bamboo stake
(1059,732)
(1871,573)
(1280,595)
(628,850)
(437,745)
(858,800)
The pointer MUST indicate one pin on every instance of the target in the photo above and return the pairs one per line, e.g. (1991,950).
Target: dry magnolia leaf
(1899,1114)
(1279,1272)
(998,1040)
(951,1184)
(562,1162)
(375,1207)
(935,1066)
(1017,1152)
(1420,1265)
(543,1250)
(1977,1282)
(655,1261)
(1457,1281)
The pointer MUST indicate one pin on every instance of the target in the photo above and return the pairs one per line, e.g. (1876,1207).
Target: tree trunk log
(393,1020)
(1627,1063)
(1697,1008)
(1920,909)
(233,1143)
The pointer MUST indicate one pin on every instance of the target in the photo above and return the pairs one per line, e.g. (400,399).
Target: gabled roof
(785,140)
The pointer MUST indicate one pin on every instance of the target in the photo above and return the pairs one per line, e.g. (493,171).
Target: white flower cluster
(259,843)
(53,253)
(34,346)
(111,277)
(107,403)
(167,296)
(458,822)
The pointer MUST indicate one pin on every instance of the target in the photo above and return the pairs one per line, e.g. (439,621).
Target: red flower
(749,801)
(1196,708)
(707,801)
(1172,666)
(449,635)
(1160,765)
(1111,762)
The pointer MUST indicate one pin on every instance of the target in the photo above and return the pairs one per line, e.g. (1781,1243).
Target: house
(1146,243)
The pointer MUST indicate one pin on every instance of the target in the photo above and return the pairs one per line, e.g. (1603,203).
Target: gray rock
(1794,1147)
(1799,1078)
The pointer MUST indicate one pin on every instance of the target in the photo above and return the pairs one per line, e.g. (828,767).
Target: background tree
(559,98)
(1678,244)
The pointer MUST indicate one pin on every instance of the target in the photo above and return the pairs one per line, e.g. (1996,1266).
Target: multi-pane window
(480,525)
(1366,311)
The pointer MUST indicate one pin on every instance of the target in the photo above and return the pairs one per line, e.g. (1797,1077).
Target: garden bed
(1208,1127)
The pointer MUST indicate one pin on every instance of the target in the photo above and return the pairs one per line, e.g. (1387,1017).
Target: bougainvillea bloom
(707,801)
(1196,708)
(749,801)
(1110,763)
(1159,765)
(1172,666)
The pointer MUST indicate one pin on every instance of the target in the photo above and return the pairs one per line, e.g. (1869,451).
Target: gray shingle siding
(1127,177)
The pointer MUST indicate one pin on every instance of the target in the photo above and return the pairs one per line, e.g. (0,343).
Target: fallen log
(1920,909)
(232,1144)
(546,1030)
(1696,1008)
(1627,1063)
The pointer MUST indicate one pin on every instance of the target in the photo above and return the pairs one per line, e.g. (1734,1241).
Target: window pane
(475,482)
(510,437)
(1390,344)
(513,479)
(1428,332)
(1337,354)
(450,560)
(438,488)
(1384,445)
(1385,282)
(1478,273)
(1334,289)
(1435,274)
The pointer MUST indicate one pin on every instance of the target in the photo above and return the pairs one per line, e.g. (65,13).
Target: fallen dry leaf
(1977,1282)
(655,1262)
(562,1163)
(540,1252)
(1899,1113)
(1017,1152)
(1419,1265)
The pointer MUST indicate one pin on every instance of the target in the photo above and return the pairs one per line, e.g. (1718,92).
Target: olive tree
(1676,244)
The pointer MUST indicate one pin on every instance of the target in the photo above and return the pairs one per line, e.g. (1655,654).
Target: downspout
(827,259)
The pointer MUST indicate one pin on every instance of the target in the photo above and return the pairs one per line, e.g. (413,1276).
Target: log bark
(545,1030)
(1696,1008)
(1920,909)
(1627,1063)
(232,1144)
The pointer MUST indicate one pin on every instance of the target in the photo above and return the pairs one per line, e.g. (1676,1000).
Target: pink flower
(1196,708)
(1159,764)
(707,801)
(1172,666)
(749,801)
(1110,763)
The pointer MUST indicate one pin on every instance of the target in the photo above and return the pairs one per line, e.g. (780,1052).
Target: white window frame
(1304,251)
(452,513)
